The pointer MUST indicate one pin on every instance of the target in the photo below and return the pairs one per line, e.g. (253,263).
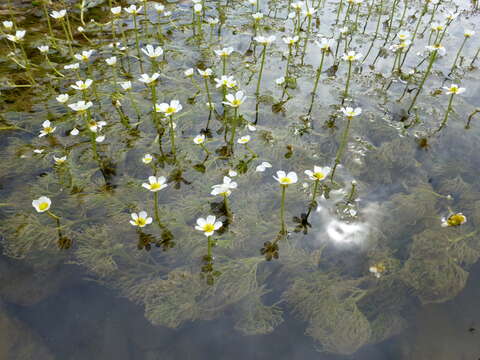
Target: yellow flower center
(236,102)
(155,186)
(48,129)
(140,221)
(208,228)
(319,175)
(170,110)
(456,220)
(43,206)
(285,180)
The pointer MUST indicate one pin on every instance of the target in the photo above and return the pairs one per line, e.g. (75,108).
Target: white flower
(205,73)
(351,56)
(257,16)
(252,2)
(141,219)
(133,10)
(280,80)
(309,12)
(468,33)
(188,72)
(438,48)
(318,173)
(221,190)
(264,40)
(96,126)
(80,105)
(7,25)
(159,7)
(38,151)
(156,184)
(197,8)
(403,35)
(100,138)
(42,204)
(43,48)
(351,112)
(450,15)
(84,55)
(147,79)
(59,160)
(147,158)
(325,44)
(224,52)
(454,89)
(116,10)
(436,26)
(82,85)
(81,29)
(232,173)
(111,61)
(126,85)
(58,14)
(47,128)
(228,183)
(169,109)
(263,166)
(208,225)
(286,179)
(213,21)
(62,98)
(19,35)
(73,66)
(251,127)
(235,100)
(74,132)
(244,139)
(199,139)
(167,13)
(298,5)
(152,52)
(375,271)
(227,81)
(290,40)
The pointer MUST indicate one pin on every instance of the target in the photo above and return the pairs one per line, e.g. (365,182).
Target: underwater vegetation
(248,159)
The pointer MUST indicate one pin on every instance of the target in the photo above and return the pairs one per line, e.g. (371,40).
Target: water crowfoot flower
(209,225)
(263,166)
(141,219)
(452,91)
(82,85)
(155,184)
(81,106)
(168,110)
(284,180)
(47,128)
(349,113)
(453,220)
(350,57)
(42,204)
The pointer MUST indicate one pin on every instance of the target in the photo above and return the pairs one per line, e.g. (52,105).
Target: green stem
(282,209)
(427,72)
(319,72)
(445,118)
(341,149)
(257,91)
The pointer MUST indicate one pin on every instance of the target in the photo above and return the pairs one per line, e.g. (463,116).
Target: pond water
(365,247)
